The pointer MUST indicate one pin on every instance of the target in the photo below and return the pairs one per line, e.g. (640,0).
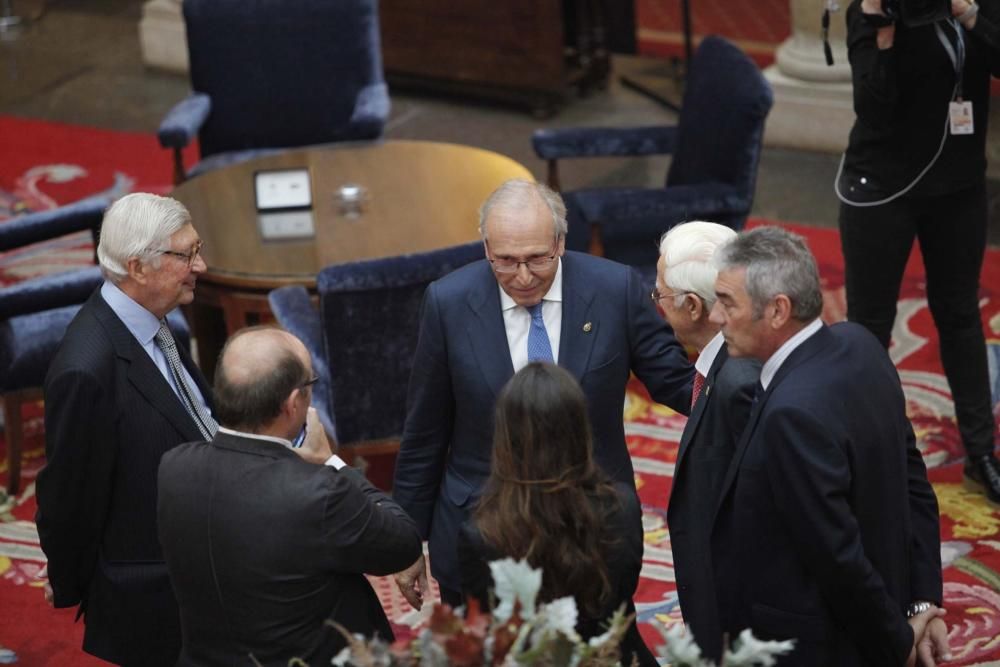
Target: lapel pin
(708,390)
(587,327)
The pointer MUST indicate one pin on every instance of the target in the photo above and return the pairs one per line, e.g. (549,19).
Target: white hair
(687,251)
(522,192)
(138,225)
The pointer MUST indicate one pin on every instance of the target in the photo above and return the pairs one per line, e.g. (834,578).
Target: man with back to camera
(827,528)
(723,393)
(527,300)
(118,394)
(263,545)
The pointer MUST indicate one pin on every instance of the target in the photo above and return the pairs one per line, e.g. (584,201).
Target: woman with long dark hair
(547,502)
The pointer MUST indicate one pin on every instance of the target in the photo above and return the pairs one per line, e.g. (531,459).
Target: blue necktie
(539,348)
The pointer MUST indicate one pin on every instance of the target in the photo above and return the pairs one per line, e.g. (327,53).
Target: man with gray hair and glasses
(527,300)
(720,405)
(826,530)
(119,393)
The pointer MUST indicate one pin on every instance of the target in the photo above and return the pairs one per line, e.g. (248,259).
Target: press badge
(960,115)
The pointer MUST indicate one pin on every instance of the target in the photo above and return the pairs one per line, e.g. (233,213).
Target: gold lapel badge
(587,327)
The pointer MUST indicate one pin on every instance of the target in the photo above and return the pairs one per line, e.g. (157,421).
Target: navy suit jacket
(109,417)
(706,449)
(827,527)
(263,547)
(609,329)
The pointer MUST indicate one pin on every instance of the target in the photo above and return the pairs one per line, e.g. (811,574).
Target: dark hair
(539,502)
(249,406)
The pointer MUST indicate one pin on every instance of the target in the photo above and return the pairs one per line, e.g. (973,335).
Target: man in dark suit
(724,388)
(827,528)
(528,300)
(119,394)
(262,544)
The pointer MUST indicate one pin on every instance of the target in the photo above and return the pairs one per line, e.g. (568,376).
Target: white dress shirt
(517,321)
(774,362)
(708,354)
(334,461)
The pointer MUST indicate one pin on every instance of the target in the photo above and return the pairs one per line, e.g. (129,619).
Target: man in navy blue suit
(527,300)
(827,528)
(723,393)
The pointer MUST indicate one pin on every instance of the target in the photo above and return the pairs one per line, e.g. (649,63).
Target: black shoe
(982,474)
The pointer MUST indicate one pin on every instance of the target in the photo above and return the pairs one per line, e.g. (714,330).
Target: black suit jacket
(827,526)
(263,547)
(109,417)
(624,564)
(706,449)
(609,329)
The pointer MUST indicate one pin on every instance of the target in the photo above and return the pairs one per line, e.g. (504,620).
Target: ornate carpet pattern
(46,169)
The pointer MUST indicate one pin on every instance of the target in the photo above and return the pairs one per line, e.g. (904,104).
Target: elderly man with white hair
(724,388)
(119,394)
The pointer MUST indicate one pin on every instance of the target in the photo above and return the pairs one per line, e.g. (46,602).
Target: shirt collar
(256,436)
(708,354)
(775,361)
(554,293)
(142,323)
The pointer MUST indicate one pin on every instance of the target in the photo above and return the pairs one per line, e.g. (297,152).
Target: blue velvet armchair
(34,315)
(362,340)
(271,74)
(715,149)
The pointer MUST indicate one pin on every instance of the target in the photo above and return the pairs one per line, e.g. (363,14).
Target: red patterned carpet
(48,167)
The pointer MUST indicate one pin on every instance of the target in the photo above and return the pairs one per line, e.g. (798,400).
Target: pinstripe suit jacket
(110,415)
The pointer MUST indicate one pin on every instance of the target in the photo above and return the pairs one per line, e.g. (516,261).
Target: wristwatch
(917,608)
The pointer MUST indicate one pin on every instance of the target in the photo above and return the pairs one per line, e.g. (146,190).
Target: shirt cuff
(335,462)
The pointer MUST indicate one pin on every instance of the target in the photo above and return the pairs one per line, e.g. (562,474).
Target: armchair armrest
(44,225)
(182,122)
(371,111)
(181,125)
(51,291)
(556,143)
(294,310)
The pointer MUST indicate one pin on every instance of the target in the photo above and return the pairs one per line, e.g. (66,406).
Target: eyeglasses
(309,383)
(511,265)
(656,295)
(188,257)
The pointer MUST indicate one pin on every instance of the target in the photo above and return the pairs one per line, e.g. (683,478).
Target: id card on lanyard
(959,110)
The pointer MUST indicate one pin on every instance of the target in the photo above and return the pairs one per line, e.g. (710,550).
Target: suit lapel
(700,405)
(806,350)
(487,333)
(143,373)
(578,330)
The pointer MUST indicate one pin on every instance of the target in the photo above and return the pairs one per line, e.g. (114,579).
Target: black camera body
(916,12)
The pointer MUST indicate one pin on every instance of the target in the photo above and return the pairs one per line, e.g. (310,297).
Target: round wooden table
(416,196)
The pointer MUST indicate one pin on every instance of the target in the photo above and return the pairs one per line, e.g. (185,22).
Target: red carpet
(88,162)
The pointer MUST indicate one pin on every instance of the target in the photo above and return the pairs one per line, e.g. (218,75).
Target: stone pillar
(163,37)
(813,108)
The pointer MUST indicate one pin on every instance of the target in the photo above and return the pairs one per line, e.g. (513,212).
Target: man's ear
(694,307)
(138,270)
(782,306)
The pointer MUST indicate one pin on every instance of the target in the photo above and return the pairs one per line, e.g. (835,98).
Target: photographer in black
(915,167)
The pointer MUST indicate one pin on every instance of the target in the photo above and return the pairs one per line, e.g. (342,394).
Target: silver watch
(917,608)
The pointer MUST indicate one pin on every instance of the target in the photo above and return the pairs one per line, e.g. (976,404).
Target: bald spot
(255,354)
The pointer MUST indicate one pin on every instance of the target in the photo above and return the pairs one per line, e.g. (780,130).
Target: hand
(49,595)
(934,644)
(920,624)
(316,448)
(412,583)
(959,7)
(875,6)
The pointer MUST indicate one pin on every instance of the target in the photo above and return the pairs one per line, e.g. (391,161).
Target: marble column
(813,108)
(163,37)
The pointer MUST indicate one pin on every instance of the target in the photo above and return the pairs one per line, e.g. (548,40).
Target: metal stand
(666,85)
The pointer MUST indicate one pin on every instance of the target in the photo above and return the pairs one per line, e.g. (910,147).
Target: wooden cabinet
(529,52)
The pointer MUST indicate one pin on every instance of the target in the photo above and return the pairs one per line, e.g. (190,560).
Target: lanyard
(956,53)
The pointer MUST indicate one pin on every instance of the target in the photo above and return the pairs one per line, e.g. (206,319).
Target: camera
(916,12)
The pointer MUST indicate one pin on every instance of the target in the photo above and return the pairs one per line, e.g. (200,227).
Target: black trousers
(951,230)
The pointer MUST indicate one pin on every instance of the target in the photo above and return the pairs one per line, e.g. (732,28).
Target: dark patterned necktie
(539,347)
(204,421)
(699,382)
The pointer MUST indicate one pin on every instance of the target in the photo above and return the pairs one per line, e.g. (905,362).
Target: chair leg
(14,432)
